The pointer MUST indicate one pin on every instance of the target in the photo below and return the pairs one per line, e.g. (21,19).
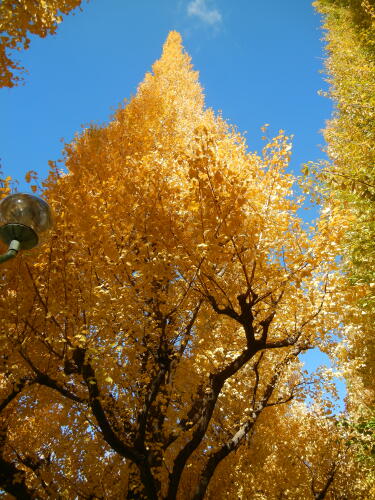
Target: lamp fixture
(24,220)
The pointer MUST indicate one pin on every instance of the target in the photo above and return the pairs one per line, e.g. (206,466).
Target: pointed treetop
(174,55)
(169,101)
(173,75)
(173,41)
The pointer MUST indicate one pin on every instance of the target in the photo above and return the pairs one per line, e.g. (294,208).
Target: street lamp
(23,220)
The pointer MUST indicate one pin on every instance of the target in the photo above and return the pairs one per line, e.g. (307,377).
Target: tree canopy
(350,176)
(350,182)
(19,20)
(157,331)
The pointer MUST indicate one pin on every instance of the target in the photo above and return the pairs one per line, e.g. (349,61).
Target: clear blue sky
(259,62)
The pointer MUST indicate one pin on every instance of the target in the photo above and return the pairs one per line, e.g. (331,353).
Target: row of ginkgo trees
(350,181)
(150,347)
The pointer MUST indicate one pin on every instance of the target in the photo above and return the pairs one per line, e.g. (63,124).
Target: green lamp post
(24,220)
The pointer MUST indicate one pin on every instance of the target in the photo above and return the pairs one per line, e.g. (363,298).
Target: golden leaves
(18,21)
(349,179)
(175,252)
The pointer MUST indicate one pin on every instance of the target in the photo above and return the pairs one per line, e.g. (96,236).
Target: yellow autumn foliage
(350,179)
(19,20)
(158,329)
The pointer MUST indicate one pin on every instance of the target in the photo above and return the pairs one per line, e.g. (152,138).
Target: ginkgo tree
(310,456)
(349,178)
(162,321)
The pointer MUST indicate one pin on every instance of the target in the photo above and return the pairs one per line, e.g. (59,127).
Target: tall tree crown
(164,317)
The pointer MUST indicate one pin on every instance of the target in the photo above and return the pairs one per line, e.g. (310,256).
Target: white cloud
(200,9)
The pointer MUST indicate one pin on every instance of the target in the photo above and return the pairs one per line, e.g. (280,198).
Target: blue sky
(259,62)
